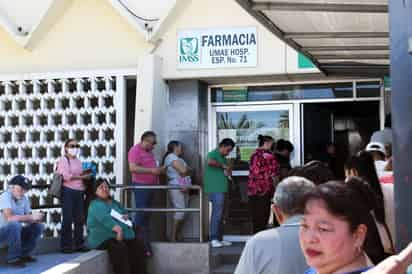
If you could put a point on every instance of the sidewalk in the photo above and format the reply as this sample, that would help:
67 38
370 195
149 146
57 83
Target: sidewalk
44 262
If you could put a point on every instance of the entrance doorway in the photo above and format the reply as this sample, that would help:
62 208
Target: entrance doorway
348 125
243 124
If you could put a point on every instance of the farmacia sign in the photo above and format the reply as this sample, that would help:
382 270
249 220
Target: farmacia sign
217 48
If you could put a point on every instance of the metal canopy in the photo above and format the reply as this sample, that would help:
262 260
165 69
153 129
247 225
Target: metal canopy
343 37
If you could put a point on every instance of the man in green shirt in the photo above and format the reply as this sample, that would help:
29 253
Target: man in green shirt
216 185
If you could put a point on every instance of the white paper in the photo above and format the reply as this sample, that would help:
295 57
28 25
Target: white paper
119 217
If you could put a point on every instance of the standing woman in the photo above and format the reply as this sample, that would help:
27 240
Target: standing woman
178 174
362 165
72 198
262 171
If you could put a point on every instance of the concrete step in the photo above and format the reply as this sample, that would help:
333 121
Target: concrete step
224 260
225 269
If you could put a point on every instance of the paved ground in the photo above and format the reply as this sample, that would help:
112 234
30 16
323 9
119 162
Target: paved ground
44 262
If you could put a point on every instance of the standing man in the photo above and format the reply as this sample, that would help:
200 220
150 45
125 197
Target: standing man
20 229
145 172
216 185
277 250
384 136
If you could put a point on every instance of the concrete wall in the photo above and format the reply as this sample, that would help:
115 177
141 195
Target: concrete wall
89 35
197 15
192 258
187 123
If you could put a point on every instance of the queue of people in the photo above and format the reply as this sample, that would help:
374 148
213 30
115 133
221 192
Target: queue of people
322 228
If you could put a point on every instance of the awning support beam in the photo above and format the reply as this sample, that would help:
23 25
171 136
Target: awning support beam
352 56
321 35
317 7
347 48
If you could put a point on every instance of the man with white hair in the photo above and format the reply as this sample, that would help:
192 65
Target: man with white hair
277 250
20 229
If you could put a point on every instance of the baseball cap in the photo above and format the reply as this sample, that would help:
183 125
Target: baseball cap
20 180
376 146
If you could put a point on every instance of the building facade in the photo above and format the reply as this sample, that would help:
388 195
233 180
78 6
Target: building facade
206 70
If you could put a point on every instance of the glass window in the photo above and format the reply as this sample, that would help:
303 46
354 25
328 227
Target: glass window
243 127
368 89
326 91
290 92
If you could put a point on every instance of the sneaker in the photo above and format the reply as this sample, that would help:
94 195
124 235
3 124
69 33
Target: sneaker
28 259
16 263
226 243
216 243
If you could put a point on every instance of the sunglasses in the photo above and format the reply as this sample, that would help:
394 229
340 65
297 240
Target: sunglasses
73 146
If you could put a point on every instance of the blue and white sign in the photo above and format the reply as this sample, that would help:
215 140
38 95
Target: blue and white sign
217 48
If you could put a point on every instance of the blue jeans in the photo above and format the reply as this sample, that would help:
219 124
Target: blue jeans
21 240
143 199
72 212
218 203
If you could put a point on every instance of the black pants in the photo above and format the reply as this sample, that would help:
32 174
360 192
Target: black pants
125 256
72 212
259 207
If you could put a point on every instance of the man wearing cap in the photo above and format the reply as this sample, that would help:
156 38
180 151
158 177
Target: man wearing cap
20 229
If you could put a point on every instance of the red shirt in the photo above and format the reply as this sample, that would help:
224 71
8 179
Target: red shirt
137 155
263 167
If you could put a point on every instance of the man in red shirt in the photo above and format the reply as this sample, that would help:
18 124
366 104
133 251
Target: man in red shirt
145 172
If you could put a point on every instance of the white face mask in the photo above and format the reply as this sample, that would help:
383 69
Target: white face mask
73 151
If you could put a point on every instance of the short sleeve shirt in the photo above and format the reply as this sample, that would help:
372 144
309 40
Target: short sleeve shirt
215 180
137 155
172 173
313 271
18 207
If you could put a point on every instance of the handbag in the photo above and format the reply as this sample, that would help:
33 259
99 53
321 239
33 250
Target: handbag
55 188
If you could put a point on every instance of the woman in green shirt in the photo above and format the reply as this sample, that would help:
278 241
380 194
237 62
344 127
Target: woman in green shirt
107 233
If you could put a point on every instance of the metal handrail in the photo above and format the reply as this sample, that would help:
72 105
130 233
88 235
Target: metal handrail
165 210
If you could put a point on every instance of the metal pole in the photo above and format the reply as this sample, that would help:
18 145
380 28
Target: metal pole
201 215
400 21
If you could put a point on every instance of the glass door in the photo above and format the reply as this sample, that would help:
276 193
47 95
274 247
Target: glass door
243 124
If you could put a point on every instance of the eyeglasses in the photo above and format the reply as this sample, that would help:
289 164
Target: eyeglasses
74 146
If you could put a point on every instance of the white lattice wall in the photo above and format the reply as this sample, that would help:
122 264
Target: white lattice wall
38 115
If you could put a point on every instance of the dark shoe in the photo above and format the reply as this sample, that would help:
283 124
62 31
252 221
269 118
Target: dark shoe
148 254
82 249
17 263
28 259
67 251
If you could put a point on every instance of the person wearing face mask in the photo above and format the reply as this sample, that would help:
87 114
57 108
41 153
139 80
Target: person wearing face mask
72 198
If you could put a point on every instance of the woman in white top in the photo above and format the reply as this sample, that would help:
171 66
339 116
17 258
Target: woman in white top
361 165
178 174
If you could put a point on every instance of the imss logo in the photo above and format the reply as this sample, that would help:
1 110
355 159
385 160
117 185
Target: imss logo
189 50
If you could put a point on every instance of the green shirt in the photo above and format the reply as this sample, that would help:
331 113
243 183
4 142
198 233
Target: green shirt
214 177
100 223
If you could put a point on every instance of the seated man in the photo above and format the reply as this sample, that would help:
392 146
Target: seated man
277 250
19 228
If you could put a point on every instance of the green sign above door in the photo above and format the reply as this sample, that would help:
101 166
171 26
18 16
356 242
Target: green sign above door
235 94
